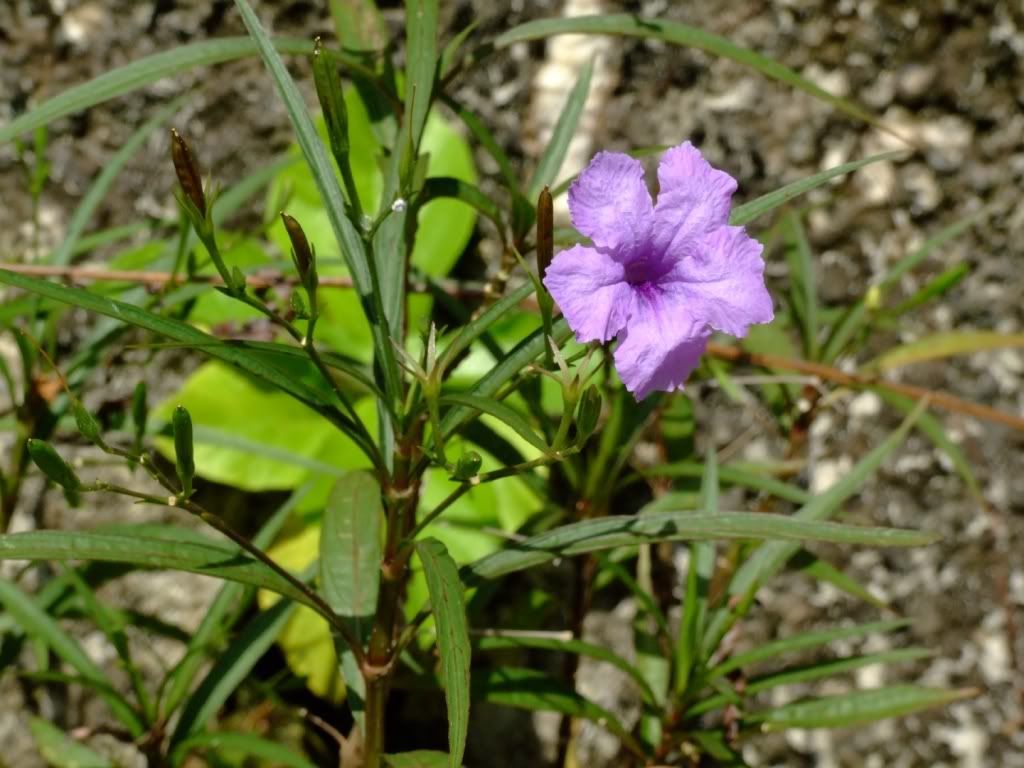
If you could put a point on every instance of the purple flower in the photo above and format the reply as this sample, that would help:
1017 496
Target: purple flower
660 277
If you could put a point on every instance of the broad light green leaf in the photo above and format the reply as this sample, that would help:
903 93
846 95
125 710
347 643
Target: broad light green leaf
187 553
449 609
350 550
37 624
857 708
257 438
938 346
60 750
630 25
627 530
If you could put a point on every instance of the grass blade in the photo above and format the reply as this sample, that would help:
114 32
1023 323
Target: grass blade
803 284
60 750
37 624
631 25
446 598
939 346
565 128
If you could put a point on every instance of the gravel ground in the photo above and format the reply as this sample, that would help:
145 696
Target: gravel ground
947 73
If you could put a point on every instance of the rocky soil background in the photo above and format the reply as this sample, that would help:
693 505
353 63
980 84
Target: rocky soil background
947 73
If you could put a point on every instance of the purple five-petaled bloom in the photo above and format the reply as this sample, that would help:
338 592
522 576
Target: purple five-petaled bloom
660 277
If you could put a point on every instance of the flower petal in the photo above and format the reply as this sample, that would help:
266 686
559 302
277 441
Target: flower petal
660 345
720 281
610 204
693 197
591 289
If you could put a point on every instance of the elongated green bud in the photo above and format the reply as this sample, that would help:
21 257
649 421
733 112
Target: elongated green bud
140 413
187 169
87 424
183 453
467 466
52 465
588 414
545 232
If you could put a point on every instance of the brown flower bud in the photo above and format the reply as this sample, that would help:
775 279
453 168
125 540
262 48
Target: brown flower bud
187 168
545 232
302 253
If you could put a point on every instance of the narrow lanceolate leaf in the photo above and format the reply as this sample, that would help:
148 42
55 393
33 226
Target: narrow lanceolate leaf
421 64
233 666
746 213
630 25
139 74
731 475
770 557
313 150
565 128
938 346
857 708
446 600
350 549
475 328
803 284
195 554
420 758
809 672
533 690
804 641
629 530
60 750
502 413
37 624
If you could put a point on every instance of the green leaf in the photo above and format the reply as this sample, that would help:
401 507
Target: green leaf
803 641
630 25
420 66
60 750
803 283
266 751
565 128
232 667
37 624
533 690
139 74
449 609
769 558
472 330
939 346
350 549
627 530
808 673
420 758
734 475
857 708
438 187
349 240
498 642
173 551
502 413
229 603
746 213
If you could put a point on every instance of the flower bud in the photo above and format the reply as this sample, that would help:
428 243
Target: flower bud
467 466
187 169
140 413
545 232
183 451
302 253
52 465
87 424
